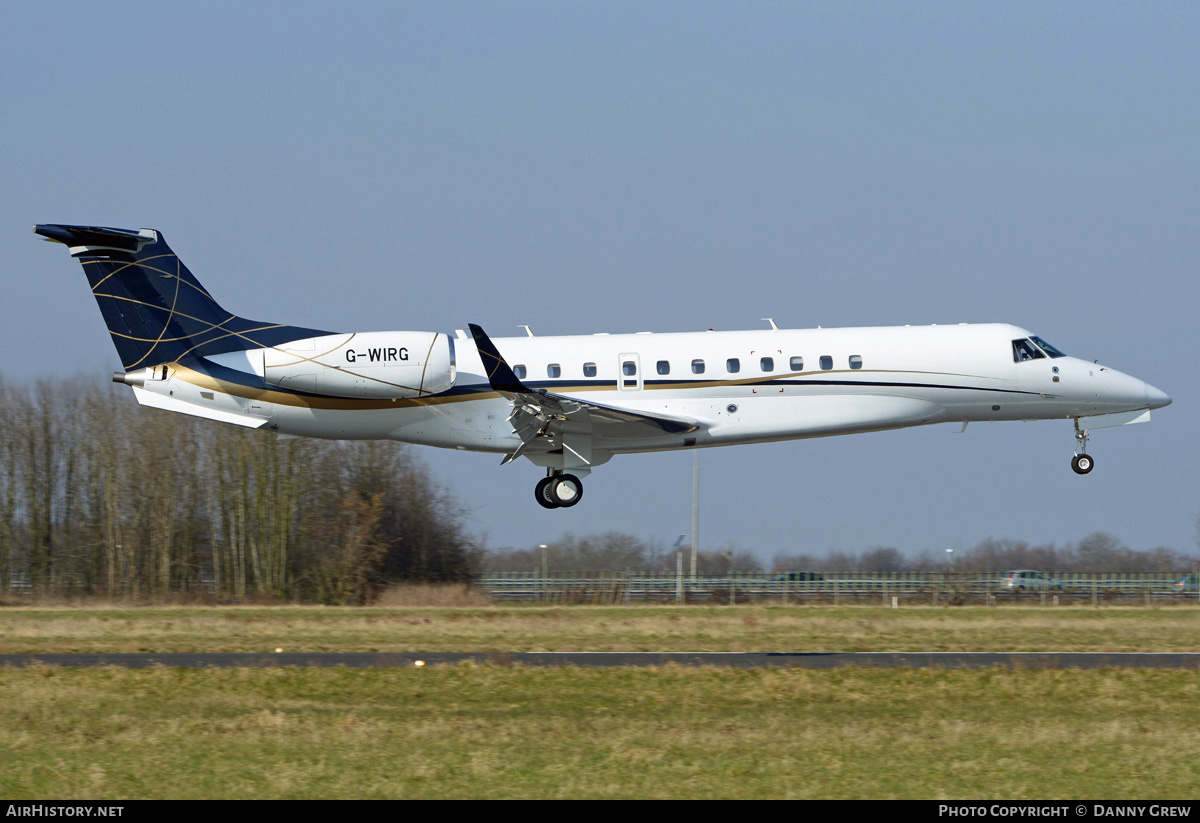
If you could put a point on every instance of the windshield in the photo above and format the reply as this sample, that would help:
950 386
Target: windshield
1024 350
1047 348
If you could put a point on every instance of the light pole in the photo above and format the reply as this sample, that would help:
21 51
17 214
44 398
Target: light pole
695 509
679 568
545 571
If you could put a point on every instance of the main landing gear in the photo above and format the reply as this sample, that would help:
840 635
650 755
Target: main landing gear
558 490
1081 463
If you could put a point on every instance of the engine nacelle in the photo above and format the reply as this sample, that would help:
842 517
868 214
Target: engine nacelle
381 364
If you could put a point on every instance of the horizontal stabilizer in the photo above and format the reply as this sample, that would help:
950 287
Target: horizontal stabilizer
85 239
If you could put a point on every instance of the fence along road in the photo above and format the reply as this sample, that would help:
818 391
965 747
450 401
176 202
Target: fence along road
900 588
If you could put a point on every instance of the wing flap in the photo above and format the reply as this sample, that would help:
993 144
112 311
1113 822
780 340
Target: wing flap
603 414
537 413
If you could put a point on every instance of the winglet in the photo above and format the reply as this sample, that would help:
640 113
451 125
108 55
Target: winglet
498 372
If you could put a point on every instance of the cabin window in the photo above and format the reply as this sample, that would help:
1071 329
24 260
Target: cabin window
767 364
664 367
797 364
733 365
629 368
589 369
856 361
826 362
554 370
697 367
519 371
1024 350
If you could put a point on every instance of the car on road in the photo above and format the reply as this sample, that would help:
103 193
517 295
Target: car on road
1028 580
1187 583
804 577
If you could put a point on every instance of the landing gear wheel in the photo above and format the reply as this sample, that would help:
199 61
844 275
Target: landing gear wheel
1081 463
565 490
542 492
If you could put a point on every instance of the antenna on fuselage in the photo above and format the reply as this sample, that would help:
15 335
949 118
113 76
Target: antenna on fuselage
528 330
770 320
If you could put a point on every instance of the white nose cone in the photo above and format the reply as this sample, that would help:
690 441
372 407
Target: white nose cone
1156 398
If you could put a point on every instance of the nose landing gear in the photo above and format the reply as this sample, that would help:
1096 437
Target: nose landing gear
1081 463
558 491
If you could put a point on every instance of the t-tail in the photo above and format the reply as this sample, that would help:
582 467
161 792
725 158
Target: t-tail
156 310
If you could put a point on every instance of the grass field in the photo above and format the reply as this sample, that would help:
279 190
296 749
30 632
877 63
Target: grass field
494 732
600 628
668 732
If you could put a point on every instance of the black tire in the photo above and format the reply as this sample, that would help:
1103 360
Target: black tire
566 490
1082 463
541 493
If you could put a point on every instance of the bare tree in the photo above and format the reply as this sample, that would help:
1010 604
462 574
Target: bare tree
882 559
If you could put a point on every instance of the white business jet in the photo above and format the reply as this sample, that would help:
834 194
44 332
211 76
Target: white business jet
568 404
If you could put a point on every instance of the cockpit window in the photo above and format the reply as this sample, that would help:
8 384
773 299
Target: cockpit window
1025 350
1047 348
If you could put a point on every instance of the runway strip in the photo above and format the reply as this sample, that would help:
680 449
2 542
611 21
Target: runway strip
741 660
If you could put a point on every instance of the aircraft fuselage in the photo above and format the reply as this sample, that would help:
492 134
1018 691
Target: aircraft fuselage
740 385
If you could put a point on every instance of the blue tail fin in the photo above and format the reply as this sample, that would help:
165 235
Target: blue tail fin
156 310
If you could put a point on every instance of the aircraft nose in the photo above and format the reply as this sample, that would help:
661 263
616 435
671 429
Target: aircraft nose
1157 398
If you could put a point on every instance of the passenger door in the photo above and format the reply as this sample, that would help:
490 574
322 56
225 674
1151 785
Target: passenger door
629 372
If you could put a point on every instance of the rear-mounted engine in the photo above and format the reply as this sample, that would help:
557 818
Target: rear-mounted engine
399 364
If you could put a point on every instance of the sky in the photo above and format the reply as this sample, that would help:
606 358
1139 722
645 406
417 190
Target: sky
663 166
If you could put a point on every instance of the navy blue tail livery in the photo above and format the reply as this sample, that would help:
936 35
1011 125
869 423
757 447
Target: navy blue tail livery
155 309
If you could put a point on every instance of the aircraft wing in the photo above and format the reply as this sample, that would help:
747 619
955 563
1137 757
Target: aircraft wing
538 413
